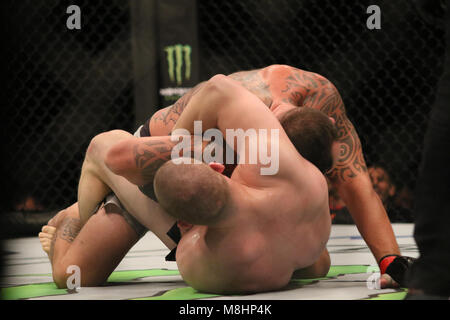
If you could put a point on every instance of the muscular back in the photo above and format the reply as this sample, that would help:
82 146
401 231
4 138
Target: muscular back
278 84
273 84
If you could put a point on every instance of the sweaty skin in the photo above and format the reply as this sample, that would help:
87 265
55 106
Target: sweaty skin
274 225
278 87
281 87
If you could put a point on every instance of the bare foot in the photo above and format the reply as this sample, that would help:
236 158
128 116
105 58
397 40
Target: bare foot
46 238
48 232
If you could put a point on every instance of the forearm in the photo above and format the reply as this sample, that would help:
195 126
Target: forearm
138 159
370 218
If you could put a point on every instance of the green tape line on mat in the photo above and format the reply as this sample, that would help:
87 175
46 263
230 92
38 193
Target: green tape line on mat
187 293
336 271
30 291
49 289
123 276
350 269
390 296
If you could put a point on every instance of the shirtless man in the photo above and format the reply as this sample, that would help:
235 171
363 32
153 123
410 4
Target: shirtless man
251 231
282 88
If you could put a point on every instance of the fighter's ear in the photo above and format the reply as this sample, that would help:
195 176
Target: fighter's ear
332 120
392 191
219 167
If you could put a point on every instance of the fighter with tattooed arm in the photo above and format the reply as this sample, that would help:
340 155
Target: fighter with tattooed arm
246 233
281 89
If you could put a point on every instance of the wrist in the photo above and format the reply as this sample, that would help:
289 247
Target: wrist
385 261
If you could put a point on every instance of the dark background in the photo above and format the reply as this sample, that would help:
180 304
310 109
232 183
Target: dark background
65 86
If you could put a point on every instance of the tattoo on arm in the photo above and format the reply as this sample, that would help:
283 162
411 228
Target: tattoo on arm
351 160
150 156
171 115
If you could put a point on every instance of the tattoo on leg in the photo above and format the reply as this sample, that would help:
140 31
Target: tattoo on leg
70 227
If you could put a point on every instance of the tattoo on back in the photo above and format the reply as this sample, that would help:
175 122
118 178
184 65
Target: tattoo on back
300 88
253 82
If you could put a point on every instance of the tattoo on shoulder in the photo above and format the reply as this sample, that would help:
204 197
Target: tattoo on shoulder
351 160
304 88
253 82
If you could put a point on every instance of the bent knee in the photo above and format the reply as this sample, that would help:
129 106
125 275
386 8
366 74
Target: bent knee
72 274
103 141
60 276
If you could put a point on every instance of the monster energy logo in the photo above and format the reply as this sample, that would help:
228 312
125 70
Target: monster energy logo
177 56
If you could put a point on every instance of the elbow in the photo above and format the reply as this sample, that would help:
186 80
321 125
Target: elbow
218 79
218 85
220 90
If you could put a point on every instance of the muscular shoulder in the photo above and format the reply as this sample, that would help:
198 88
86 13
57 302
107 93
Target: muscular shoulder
295 86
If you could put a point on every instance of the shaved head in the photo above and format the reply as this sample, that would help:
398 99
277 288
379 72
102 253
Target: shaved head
194 193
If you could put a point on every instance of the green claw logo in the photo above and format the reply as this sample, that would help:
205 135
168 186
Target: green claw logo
177 56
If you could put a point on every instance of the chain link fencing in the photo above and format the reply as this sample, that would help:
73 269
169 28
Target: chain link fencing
65 87
387 77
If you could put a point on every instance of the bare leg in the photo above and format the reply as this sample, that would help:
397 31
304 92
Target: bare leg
91 190
92 187
145 210
96 249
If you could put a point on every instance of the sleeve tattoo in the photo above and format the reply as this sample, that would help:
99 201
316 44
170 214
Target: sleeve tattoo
350 162
323 95
170 116
151 155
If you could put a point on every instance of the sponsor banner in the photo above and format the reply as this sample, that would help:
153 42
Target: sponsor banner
178 49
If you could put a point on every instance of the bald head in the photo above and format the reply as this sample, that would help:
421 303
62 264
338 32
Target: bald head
194 193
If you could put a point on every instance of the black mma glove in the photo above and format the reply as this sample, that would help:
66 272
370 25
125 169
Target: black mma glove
396 267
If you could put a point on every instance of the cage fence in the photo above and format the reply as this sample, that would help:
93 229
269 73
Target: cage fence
66 87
